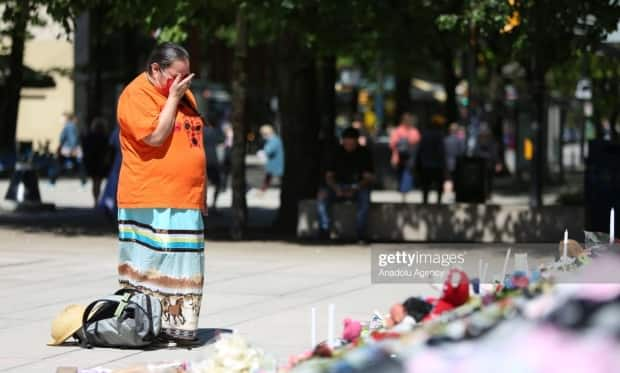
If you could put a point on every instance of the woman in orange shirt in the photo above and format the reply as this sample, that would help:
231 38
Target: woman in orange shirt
161 190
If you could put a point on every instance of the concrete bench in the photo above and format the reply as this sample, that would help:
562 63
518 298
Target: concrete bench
450 222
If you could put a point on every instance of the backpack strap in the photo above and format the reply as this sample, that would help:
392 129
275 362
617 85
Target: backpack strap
122 305
149 308
149 311
124 291
86 320
82 339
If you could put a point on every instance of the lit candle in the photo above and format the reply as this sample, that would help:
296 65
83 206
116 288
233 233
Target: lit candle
505 265
612 226
565 253
313 327
330 324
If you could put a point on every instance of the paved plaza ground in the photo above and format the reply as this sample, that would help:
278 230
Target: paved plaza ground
264 290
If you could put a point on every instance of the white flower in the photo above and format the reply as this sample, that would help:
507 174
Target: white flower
233 355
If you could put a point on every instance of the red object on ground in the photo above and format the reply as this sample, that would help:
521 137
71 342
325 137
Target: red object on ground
455 294
379 336
456 288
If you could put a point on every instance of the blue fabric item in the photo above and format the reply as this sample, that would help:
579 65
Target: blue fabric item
168 241
162 254
212 137
108 198
275 156
69 136
406 181
362 200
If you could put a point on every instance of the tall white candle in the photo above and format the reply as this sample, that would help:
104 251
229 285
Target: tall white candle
331 313
565 252
484 272
612 226
313 327
506 259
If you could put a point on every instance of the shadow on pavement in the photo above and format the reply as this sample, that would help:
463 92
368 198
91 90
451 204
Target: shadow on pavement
209 335
74 221
63 220
206 336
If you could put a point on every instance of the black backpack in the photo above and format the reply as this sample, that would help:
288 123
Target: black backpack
127 319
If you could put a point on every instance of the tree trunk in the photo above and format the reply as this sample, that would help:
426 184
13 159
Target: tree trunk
239 203
538 164
449 84
96 82
195 43
538 89
10 98
327 98
300 129
613 117
497 115
326 107
403 95
472 100
379 99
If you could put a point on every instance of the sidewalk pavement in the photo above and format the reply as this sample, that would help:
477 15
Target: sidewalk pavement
262 290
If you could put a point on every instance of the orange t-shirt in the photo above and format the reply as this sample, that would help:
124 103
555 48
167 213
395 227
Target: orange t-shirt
171 175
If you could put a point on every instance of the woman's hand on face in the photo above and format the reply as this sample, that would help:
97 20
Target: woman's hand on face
180 85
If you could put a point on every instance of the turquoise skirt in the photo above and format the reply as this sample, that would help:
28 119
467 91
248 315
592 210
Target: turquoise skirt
162 254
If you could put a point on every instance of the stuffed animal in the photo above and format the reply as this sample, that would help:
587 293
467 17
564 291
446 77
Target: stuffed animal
397 314
455 293
352 330
413 308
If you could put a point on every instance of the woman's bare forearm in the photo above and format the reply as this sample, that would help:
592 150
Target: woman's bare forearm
165 124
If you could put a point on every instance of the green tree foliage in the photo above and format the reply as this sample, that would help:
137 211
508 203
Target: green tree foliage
17 16
540 35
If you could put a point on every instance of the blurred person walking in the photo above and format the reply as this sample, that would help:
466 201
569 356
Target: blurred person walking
225 154
107 202
454 146
273 151
431 160
486 148
97 155
69 153
161 191
213 138
404 140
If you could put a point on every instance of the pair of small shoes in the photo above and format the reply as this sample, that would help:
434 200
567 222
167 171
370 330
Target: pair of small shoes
166 341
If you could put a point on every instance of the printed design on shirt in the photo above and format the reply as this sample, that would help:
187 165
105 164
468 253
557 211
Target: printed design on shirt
193 130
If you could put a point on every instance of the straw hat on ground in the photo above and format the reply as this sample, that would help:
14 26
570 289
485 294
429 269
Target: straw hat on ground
66 324
573 249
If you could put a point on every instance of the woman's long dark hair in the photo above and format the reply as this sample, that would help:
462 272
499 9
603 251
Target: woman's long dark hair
165 54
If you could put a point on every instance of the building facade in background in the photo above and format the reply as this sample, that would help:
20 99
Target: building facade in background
41 109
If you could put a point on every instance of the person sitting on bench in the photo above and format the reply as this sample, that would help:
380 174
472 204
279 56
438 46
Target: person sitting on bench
348 176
